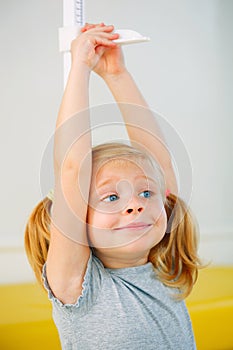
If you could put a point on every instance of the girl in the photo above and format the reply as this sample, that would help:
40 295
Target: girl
117 250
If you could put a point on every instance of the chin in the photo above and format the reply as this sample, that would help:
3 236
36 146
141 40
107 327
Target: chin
108 240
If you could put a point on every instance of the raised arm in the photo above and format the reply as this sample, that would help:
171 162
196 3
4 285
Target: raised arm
141 124
69 251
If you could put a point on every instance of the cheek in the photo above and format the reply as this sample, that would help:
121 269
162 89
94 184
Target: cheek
160 211
100 219
100 236
161 224
157 210
160 219
99 225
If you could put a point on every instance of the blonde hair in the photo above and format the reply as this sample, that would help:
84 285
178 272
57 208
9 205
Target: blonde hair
174 257
37 237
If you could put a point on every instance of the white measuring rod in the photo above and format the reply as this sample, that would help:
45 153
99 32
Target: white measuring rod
70 32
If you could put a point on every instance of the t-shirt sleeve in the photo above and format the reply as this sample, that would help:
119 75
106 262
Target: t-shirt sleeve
90 289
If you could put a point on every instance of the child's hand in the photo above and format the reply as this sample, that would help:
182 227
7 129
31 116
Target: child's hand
88 48
111 62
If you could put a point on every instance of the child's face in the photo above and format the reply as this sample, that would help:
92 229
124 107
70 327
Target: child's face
125 207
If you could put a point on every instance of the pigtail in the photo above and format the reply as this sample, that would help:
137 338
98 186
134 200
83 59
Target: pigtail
175 257
37 237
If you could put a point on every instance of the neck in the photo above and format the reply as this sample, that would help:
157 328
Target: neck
117 261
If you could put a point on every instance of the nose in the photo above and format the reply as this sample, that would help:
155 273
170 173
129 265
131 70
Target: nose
133 207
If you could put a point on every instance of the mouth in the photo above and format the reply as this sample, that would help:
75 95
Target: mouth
134 226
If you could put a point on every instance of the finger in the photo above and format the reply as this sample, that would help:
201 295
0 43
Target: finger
109 35
107 28
89 26
106 38
102 28
102 32
104 41
93 24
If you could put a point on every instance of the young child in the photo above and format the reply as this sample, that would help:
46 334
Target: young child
116 246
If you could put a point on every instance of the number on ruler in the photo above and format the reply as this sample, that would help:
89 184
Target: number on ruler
79 12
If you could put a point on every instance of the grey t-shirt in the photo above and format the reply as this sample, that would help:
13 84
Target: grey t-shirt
122 309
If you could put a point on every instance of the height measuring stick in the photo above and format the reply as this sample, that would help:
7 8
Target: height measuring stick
74 20
79 13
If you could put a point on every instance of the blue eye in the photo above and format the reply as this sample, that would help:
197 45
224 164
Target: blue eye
111 198
145 194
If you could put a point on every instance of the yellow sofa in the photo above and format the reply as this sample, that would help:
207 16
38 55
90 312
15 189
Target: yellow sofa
26 321
211 309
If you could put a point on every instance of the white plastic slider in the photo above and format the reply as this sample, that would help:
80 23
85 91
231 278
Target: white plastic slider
126 36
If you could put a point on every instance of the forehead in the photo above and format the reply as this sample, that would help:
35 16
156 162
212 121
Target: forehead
121 168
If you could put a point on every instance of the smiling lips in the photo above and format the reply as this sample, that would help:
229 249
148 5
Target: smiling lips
134 226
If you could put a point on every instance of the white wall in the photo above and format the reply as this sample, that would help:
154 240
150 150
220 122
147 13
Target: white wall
185 73
31 87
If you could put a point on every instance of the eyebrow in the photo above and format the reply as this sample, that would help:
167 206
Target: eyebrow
105 182
146 178
110 179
